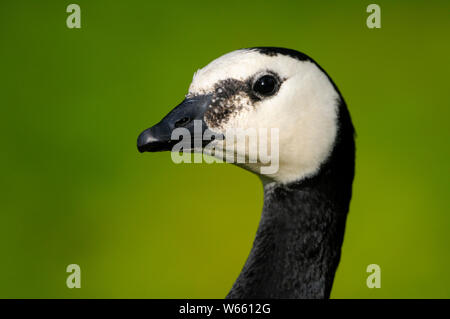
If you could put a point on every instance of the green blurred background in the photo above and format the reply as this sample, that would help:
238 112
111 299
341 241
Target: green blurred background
74 189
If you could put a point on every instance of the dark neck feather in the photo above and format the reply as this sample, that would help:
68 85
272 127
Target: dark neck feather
298 243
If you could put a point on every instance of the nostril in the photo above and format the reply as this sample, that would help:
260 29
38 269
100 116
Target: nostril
182 122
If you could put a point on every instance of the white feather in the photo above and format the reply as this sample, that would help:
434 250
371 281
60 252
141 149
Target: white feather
304 110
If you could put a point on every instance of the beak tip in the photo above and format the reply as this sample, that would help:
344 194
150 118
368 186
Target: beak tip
140 149
151 141
144 139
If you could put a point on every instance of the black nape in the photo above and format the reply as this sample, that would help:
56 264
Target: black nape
298 243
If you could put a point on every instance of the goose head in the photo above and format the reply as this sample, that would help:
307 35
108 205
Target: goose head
274 93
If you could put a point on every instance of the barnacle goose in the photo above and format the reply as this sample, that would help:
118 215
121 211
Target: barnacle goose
306 200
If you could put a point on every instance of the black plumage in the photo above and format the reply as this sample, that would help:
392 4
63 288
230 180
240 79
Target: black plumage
298 243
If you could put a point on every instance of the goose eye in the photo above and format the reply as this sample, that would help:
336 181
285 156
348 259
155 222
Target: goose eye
265 85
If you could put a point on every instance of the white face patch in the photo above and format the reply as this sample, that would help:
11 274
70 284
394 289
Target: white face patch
304 110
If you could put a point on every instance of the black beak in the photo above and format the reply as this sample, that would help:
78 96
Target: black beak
158 137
